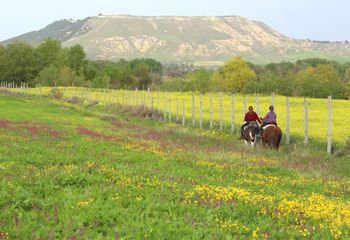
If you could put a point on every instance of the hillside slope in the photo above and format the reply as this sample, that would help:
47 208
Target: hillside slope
176 39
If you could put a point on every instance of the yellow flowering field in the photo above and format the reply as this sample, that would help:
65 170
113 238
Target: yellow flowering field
80 172
172 102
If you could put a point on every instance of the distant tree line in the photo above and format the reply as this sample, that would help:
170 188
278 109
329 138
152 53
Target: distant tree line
309 77
49 64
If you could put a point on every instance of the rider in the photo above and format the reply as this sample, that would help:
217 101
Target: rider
270 118
250 116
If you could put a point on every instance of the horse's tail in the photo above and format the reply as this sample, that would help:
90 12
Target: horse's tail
279 138
276 138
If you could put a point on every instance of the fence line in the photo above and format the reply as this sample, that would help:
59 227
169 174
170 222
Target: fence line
153 101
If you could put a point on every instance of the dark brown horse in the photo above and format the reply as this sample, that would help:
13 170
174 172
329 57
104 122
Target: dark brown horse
272 136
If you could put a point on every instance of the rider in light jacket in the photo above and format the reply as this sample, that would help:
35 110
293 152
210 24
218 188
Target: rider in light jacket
270 118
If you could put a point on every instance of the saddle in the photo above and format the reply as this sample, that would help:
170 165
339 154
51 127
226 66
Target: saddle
268 125
252 123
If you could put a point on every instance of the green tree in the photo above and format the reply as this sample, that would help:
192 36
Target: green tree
216 81
47 53
58 76
155 67
236 74
200 79
319 81
18 63
76 58
346 80
68 77
142 74
102 80
49 76
2 62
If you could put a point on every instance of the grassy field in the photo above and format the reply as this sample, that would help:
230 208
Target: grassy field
317 109
75 172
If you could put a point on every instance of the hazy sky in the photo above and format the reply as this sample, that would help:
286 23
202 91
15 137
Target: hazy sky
313 19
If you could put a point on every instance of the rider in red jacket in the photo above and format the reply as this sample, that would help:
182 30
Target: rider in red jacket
250 117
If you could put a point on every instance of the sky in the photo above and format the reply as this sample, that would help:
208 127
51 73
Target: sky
300 19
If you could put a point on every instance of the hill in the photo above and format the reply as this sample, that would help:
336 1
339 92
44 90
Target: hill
178 39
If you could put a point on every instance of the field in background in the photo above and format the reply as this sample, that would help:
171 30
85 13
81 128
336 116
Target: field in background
317 124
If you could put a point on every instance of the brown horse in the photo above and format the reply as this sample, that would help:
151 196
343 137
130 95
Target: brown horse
272 135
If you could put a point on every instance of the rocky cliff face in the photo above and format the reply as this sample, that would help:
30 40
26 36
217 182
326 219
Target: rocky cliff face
176 39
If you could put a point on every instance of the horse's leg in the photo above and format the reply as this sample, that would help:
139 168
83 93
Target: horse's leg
270 144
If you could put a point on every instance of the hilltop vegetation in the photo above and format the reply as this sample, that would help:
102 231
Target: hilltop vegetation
49 64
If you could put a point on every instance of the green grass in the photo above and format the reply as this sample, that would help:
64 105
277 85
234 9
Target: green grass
73 172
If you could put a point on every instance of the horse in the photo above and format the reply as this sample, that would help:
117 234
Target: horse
271 135
251 133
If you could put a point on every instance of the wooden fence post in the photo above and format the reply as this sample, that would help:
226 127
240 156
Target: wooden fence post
152 106
177 110
183 112
200 112
287 121
137 96
220 110
233 113
306 137
257 104
329 125
158 106
211 111
169 110
164 103
244 106
193 111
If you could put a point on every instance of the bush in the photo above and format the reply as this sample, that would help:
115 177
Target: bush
56 93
